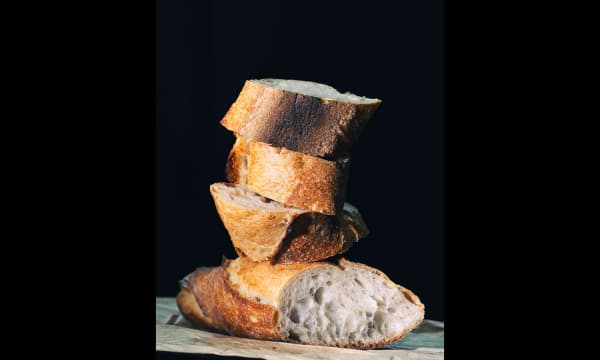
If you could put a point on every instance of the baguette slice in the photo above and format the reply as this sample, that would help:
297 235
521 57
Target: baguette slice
319 303
289 177
265 230
304 116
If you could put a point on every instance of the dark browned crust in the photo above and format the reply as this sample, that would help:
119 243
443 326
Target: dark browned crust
313 237
221 307
310 125
313 240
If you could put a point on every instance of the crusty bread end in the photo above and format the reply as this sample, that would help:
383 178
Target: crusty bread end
311 118
345 304
265 230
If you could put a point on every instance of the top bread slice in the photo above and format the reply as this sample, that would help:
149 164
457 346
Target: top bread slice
308 117
346 304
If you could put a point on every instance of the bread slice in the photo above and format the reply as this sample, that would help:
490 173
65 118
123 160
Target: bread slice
345 304
265 230
304 116
289 177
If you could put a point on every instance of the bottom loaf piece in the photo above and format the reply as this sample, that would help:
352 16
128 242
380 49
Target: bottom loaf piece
346 304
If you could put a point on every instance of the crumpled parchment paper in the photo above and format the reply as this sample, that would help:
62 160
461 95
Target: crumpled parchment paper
174 333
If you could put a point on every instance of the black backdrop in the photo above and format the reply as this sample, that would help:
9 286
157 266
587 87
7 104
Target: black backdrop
389 50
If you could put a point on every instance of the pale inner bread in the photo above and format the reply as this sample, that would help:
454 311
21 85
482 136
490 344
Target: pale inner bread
338 305
315 89
244 196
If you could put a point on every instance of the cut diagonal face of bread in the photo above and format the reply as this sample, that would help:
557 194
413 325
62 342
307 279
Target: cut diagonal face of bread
289 177
265 230
308 117
345 304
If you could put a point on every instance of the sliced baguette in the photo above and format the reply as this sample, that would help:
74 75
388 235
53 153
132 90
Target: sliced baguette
319 303
265 230
289 177
304 116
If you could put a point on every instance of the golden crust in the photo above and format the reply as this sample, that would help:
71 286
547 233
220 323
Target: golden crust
247 305
237 162
286 235
289 177
257 233
262 280
187 303
310 125
225 308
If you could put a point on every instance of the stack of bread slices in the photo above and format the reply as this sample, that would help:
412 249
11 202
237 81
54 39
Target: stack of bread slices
285 211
